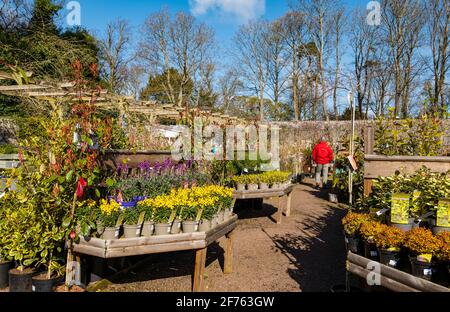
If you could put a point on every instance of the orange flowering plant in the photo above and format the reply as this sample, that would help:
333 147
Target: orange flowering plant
370 229
444 251
421 241
352 222
389 238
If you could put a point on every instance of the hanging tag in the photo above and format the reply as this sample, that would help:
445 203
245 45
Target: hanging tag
400 209
119 220
172 216
141 218
199 215
443 213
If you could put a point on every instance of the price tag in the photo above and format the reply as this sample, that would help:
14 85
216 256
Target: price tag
172 216
141 218
443 213
119 221
199 215
393 263
400 209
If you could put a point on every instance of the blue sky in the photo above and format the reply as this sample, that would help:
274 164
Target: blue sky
224 16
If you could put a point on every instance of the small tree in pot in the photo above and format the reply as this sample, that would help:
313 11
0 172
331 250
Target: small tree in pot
389 242
423 246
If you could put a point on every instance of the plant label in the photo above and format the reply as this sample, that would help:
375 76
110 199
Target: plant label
400 209
199 215
374 253
352 161
116 234
172 216
427 272
33 288
119 221
443 213
346 240
393 263
141 218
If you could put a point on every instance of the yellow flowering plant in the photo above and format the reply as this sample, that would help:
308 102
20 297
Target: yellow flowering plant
109 212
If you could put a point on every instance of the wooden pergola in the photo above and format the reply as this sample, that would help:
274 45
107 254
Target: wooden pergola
104 100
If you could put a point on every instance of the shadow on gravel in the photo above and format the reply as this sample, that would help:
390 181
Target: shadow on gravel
318 252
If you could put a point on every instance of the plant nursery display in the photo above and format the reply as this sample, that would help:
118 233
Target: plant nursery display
262 181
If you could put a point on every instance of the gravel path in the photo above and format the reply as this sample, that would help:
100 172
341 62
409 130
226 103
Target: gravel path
305 253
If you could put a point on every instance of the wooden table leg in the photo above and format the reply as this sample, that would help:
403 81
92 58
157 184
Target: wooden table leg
280 211
199 270
228 256
288 205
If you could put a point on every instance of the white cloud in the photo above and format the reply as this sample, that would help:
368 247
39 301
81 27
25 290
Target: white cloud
242 9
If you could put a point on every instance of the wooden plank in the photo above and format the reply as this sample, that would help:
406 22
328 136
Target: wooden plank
90 250
218 234
369 143
376 166
397 275
199 270
262 193
153 249
280 211
288 205
228 255
22 88
9 156
154 240
368 187
385 282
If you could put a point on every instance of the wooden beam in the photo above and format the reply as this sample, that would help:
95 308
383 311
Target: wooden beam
369 140
228 255
199 270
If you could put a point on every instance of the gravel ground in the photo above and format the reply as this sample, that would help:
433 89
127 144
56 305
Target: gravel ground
305 253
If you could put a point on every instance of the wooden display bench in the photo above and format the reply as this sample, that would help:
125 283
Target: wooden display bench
270 193
199 241
391 278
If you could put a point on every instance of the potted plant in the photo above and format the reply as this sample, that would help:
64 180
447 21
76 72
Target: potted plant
443 256
148 227
161 216
46 281
423 246
189 215
389 242
5 260
241 182
253 182
264 182
352 224
206 219
108 219
369 229
131 227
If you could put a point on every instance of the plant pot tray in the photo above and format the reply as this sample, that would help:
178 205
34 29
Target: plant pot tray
391 278
270 193
118 248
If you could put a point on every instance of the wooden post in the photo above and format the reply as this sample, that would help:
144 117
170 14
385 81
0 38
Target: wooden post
368 184
199 270
288 205
369 141
228 256
280 210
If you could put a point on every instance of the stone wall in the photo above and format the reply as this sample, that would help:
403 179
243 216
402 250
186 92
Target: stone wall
8 131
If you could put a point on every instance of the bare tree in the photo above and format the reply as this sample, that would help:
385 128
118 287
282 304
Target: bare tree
229 85
277 61
251 42
134 77
439 41
14 14
179 43
114 57
362 38
403 24
293 24
338 27
319 16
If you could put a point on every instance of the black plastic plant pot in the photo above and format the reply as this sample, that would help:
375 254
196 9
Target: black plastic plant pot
371 251
424 270
354 244
390 258
4 273
40 284
20 281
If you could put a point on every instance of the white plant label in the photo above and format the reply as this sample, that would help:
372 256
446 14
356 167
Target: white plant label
393 263
117 234
138 232
373 253
427 272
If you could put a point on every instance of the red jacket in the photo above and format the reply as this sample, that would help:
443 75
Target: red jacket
322 154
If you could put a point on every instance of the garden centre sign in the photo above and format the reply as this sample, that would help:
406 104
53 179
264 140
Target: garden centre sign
235 142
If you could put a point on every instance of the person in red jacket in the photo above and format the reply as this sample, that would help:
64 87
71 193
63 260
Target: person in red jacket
323 156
